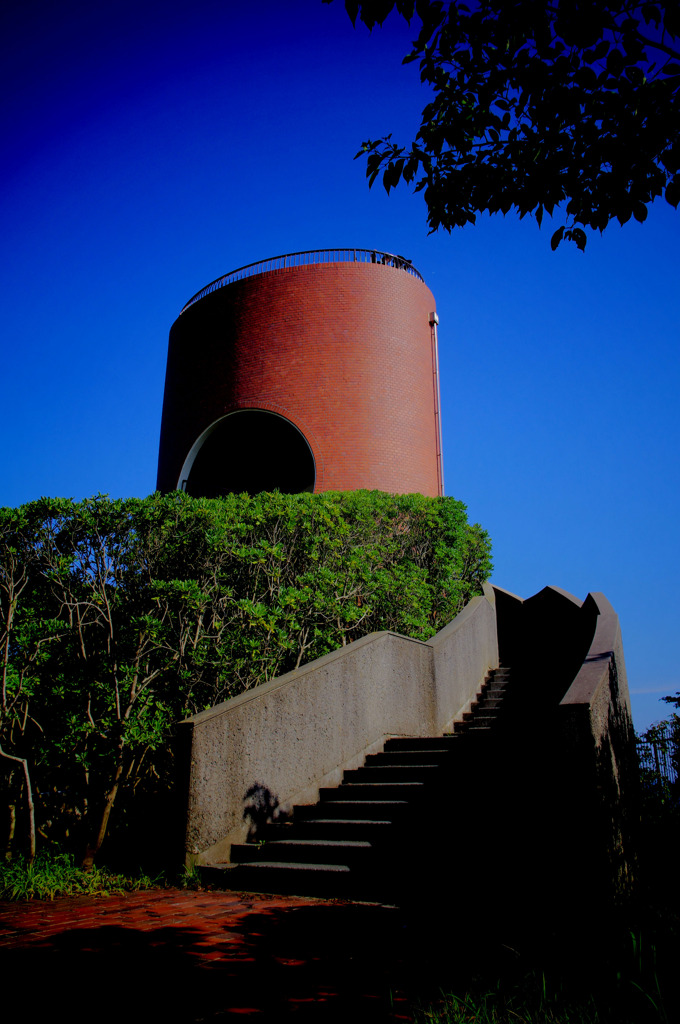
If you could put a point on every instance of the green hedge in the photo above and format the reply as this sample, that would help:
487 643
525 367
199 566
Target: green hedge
121 617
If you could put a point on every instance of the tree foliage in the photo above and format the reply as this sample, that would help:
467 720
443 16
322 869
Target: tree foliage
674 701
571 105
118 618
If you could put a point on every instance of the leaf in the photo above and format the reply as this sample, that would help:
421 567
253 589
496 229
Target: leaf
556 238
579 236
601 50
639 211
673 192
651 13
392 174
352 8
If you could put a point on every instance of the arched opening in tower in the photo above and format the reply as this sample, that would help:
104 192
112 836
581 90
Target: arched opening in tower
251 451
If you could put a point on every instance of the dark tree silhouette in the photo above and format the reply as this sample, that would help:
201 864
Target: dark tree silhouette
570 106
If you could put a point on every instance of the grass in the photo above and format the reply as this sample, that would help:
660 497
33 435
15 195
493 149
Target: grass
522 1006
53 875
618 971
625 990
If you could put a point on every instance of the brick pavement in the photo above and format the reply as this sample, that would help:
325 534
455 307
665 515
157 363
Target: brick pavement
209 956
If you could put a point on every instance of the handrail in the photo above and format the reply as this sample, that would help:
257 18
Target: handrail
604 650
308 256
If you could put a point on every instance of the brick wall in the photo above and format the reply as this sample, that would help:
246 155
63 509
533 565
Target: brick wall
342 350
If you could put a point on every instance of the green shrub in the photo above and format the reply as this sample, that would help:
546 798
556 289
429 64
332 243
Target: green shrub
117 618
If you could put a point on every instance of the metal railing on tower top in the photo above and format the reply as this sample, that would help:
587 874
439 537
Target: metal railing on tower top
301 259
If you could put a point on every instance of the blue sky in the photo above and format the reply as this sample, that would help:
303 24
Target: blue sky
148 148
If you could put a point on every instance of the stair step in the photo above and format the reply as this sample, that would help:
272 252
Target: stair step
392 773
293 866
344 828
477 725
419 743
409 757
316 851
358 810
490 715
372 791
300 879
275 830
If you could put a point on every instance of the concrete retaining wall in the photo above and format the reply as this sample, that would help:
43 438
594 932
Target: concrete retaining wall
255 756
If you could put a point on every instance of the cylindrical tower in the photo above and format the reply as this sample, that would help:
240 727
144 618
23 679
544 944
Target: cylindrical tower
311 371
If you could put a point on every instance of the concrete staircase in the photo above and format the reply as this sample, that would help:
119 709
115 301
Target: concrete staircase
492 707
356 841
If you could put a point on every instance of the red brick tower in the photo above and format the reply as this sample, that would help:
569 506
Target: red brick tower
312 371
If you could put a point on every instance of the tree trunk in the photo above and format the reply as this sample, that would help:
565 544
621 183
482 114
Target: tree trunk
11 827
93 848
29 802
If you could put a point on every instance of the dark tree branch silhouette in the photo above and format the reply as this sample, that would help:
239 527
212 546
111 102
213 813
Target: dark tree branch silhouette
570 107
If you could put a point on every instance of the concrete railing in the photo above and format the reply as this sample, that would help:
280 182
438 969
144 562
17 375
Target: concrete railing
571 754
255 756
592 687
597 749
